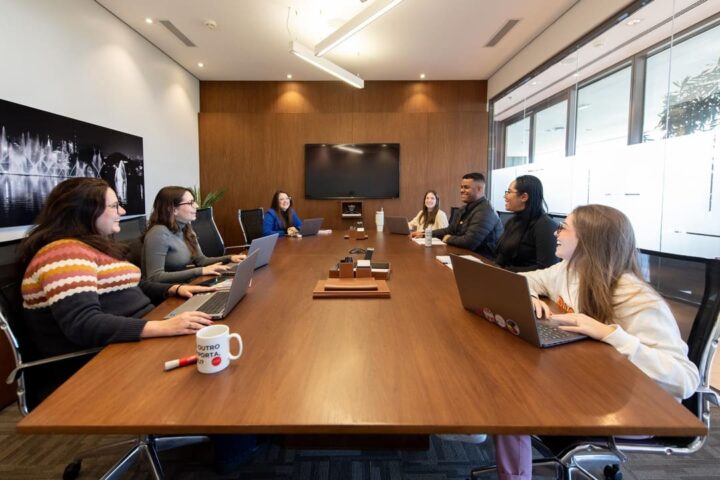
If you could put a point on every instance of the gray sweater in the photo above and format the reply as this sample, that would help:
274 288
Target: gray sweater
166 256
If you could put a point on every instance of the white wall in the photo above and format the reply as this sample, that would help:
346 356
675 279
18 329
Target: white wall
576 22
74 58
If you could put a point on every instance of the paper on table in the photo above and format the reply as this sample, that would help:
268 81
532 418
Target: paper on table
421 241
325 232
445 259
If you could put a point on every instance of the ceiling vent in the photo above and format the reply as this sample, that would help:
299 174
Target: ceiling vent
174 30
502 32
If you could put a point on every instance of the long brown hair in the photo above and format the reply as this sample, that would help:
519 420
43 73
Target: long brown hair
428 217
284 217
70 211
605 252
166 201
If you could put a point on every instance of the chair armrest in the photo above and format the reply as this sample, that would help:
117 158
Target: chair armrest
237 247
710 394
57 358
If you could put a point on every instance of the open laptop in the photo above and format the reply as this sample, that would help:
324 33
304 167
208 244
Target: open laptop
310 226
220 304
264 246
503 298
398 225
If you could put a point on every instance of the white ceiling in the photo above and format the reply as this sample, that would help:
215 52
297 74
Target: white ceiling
442 38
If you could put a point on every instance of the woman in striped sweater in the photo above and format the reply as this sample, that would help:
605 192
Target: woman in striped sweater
78 290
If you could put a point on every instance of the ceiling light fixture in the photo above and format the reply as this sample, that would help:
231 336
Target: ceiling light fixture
148 20
303 52
634 21
354 25
422 76
289 76
201 64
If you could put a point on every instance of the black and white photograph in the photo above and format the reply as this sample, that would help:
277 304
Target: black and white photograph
39 149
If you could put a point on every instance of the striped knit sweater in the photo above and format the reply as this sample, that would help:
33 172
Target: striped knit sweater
75 296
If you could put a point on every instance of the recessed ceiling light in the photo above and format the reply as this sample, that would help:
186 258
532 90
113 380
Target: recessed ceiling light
422 76
148 20
289 76
634 21
598 43
576 74
534 83
201 65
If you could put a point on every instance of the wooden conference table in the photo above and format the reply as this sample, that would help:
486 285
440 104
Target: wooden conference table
415 363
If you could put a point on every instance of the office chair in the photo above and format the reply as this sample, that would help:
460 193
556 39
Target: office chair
453 213
504 216
131 234
251 223
661 271
30 393
209 238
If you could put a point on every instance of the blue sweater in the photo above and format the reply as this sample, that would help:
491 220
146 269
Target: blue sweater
273 224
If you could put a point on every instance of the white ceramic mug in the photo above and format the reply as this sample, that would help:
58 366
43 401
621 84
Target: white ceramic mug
213 348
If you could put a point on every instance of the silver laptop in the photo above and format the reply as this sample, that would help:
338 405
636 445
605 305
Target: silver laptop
264 246
503 298
219 304
311 226
398 225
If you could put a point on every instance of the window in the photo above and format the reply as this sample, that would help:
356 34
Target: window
550 132
517 143
603 112
693 70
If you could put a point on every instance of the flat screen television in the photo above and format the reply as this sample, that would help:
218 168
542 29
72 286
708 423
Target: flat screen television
360 170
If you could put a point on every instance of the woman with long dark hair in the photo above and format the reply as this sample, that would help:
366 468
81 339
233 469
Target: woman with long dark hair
281 217
600 289
430 215
528 241
79 291
170 244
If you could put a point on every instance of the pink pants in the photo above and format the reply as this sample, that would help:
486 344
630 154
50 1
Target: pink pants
513 457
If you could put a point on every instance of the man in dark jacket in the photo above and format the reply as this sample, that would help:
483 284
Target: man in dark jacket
476 226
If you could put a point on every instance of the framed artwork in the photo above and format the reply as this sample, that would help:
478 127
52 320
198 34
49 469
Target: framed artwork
39 149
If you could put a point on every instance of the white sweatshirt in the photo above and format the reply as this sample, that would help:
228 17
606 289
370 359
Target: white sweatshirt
646 331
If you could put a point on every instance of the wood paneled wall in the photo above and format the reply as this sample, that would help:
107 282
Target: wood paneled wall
253 136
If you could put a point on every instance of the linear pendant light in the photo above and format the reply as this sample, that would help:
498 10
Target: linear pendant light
354 25
306 54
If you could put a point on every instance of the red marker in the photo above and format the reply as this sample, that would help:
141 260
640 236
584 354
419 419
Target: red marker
180 362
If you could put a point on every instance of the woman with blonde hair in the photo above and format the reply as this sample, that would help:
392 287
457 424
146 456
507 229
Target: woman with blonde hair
599 288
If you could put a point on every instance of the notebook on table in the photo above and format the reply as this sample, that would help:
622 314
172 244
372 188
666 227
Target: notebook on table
398 225
503 298
219 304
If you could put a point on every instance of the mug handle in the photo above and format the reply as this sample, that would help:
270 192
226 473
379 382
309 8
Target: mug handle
240 344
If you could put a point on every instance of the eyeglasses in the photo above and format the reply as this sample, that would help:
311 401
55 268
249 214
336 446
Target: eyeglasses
508 192
115 206
188 203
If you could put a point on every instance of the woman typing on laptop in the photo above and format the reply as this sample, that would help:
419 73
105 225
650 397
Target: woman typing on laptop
170 244
79 291
281 217
599 287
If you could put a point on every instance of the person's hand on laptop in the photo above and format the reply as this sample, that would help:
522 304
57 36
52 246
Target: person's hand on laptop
581 323
541 309
238 258
292 231
188 291
214 269
187 323
417 234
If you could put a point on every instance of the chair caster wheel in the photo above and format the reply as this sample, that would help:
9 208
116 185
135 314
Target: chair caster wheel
612 472
72 471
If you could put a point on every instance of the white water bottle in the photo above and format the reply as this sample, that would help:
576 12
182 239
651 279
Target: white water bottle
428 237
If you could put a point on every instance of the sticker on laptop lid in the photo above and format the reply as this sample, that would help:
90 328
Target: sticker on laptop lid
500 321
512 327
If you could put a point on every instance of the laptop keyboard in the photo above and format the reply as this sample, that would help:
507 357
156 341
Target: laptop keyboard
215 304
552 334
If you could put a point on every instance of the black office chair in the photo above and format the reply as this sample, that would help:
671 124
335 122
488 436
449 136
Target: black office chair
209 238
454 211
681 280
131 234
30 391
504 216
251 223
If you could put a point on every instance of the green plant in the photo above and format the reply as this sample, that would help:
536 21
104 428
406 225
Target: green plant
694 105
209 200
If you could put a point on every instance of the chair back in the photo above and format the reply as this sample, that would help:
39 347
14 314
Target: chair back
504 216
209 238
131 234
251 223
453 213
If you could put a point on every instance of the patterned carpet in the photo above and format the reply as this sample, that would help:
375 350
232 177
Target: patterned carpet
39 457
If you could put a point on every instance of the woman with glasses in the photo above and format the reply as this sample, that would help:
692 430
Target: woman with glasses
430 215
170 244
528 241
281 217
599 288
79 290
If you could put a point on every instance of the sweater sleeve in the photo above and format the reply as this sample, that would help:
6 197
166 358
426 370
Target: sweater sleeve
71 293
155 250
201 260
544 281
649 337
415 222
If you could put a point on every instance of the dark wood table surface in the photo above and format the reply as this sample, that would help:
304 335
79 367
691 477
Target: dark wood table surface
416 363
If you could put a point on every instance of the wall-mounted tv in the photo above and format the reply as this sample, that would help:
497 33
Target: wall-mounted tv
359 170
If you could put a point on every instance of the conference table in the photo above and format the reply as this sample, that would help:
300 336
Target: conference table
416 363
